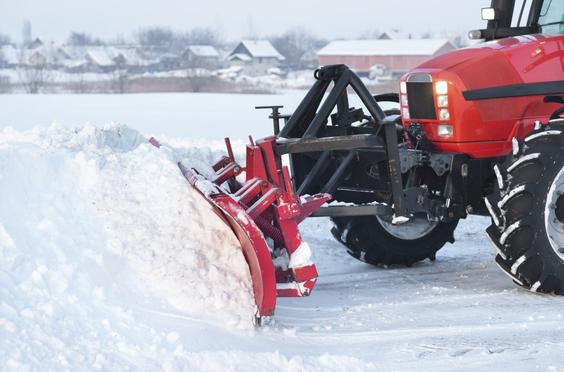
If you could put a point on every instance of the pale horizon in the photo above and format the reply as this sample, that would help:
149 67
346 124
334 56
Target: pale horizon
55 20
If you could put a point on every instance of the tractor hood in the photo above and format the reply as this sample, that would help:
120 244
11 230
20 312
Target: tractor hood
506 61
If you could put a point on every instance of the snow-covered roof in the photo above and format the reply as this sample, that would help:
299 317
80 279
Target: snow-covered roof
203 50
384 47
239 56
49 53
131 56
99 57
261 49
75 63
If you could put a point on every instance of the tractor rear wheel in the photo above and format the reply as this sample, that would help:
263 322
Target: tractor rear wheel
375 241
528 211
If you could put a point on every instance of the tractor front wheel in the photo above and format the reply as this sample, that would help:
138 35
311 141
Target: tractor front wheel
375 241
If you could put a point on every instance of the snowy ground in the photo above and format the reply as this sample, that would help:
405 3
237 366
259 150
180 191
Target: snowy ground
109 261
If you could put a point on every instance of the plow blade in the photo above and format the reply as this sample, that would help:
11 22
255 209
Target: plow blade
250 237
259 204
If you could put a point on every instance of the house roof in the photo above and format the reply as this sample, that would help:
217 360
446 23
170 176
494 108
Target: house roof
99 57
203 50
384 47
239 56
261 49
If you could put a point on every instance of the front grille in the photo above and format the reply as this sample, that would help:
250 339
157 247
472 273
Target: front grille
421 100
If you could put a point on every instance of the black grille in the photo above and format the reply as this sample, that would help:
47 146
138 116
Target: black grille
421 101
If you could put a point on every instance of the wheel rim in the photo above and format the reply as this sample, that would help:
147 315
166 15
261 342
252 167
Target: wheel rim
415 228
554 214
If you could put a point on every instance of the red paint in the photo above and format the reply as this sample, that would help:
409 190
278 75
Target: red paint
264 205
485 128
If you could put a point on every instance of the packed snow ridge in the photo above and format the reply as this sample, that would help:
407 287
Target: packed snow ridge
95 223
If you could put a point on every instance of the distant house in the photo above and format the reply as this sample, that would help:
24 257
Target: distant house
48 55
167 62
99 60
9 56
104 59
256 57
201 56
390 57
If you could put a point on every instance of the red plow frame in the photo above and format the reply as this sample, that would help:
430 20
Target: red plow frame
259 204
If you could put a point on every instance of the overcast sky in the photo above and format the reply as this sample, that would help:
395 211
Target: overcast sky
53 19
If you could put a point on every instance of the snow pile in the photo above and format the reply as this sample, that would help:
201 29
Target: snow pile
95 226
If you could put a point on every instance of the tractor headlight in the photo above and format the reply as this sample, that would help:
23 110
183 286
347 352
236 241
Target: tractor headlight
444 130
444 114
441 87
404 100
442 101
405 113
403 87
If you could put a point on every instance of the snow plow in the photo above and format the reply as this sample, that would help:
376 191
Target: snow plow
264 212
476 131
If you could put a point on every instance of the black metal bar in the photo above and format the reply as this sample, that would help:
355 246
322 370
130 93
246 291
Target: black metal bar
327 106
320 166
355 141
394 168
336 178
274 115
314 95
367 99
357 210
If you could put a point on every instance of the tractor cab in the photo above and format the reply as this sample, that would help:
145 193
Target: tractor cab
507 18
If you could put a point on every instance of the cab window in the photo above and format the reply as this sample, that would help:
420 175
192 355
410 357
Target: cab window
551 18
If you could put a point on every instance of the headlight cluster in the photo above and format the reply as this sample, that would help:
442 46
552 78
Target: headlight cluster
441 91
403 100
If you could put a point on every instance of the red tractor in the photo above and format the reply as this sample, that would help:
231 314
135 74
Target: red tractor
478 131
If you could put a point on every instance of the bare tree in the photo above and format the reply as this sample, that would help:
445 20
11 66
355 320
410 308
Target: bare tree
82 38
295 43
33 75
197 73
155 37
120 76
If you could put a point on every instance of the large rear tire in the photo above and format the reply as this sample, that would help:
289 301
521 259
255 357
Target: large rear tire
528 211
374 241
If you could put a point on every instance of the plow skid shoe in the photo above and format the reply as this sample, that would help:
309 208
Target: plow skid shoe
259 205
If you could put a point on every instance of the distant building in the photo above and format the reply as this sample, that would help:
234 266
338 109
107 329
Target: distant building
104 59
44 54
390 57
9 56
201 56
256 57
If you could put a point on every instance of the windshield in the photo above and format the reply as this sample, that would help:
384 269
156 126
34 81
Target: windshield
551 17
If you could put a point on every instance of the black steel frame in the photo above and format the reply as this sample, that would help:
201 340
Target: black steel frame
302 132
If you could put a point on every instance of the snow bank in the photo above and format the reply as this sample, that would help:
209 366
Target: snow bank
96 224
